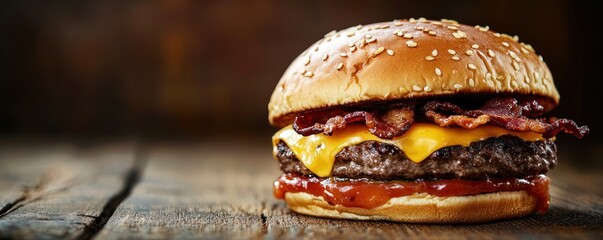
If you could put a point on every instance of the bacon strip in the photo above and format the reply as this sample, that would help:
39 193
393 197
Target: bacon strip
505 112
392 123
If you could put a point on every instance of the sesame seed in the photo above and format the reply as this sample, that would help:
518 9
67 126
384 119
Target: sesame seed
343 54
514 56
303 72
353 49
416 88
457 86
368 36
429 58
490 83
384 26
438 71
515 38
316 49
359 27
490 53
452 52
411 43
308 74
407 35
452 28
525 51
536 75
307 61
459 34
432 33
331 33
507 36
412 20
350 34
540 58
500 77
449 21
506 44
436 23
515 84
483 29
488 76
370 40
515 65
339 66
422 20
390 52
400 33
529 47
497 34
475 46
378 51
434 53
397 23
471 66
325 57
469 52
427 89
455 58
362 43
351 44
471 82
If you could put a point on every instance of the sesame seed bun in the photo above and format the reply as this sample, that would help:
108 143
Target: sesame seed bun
407 59
424 208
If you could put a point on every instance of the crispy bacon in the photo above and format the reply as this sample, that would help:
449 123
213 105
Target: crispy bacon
505 112
388 125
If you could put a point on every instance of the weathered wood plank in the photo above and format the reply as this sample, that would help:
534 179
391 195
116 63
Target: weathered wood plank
220 192
59 191
206 192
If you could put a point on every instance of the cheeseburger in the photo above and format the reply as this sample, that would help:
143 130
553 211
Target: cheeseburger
417 121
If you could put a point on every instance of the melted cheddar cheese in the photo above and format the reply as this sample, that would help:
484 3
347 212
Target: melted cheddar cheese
317 152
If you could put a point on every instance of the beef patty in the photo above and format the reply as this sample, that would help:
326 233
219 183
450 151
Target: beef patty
505 156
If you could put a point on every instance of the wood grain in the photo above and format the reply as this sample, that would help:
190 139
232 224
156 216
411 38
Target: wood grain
210 192
59 191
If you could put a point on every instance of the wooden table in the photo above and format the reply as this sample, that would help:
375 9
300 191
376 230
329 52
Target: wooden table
222 190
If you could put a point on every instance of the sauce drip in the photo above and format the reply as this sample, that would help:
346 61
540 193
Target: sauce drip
369 194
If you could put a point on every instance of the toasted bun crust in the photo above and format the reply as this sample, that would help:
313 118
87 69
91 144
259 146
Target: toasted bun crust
424 208
407 59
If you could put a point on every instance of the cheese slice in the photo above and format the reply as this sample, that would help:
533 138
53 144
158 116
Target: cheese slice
317 152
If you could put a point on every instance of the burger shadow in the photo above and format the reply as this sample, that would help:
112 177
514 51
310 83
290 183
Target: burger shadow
565 217
556 218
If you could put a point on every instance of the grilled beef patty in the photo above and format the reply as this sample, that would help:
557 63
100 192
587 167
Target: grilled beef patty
505 156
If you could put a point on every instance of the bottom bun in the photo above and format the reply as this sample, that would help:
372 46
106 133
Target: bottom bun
424 208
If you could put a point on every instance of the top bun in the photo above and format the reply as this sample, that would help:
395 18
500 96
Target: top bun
407 59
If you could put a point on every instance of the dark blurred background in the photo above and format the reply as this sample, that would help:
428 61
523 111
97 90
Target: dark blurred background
178 68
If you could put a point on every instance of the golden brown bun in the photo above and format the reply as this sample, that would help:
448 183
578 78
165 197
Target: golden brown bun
424 208
375 63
